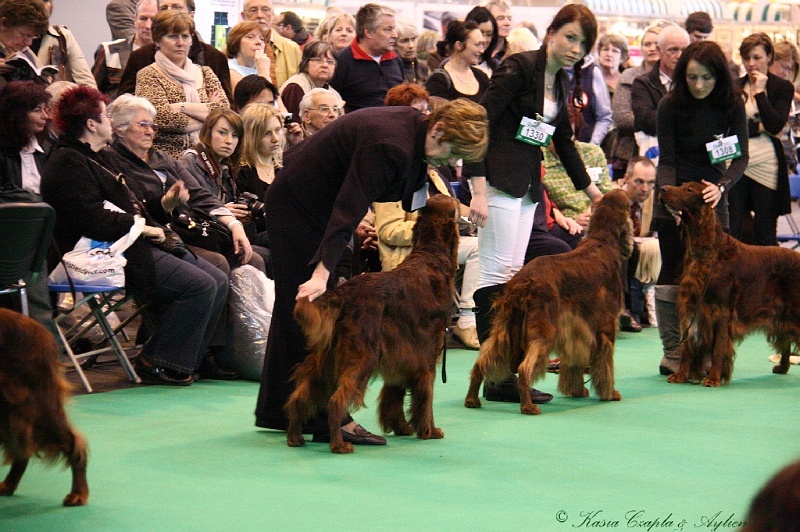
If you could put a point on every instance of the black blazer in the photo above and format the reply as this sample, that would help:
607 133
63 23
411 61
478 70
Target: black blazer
517 91
646 93
773 106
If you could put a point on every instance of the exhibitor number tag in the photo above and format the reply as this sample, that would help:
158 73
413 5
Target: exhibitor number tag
724 149
535 132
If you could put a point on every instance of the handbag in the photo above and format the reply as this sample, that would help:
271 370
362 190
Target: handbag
97 263
203 231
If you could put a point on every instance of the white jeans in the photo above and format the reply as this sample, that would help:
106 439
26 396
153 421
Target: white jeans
468 257
504 240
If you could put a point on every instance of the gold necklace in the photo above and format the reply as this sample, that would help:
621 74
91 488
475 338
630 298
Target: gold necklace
459 78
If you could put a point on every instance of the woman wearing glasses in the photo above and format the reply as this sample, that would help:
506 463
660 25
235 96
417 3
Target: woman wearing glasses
245 47
315 71
182 92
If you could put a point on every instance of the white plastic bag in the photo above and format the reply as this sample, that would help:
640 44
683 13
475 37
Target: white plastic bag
251 300
648 146
97 263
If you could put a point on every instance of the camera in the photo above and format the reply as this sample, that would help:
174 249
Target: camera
253 204
288 118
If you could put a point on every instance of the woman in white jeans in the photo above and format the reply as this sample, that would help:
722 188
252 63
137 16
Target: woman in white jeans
526 105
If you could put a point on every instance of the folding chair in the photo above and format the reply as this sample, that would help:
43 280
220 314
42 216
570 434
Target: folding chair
25 233
101 301
794 228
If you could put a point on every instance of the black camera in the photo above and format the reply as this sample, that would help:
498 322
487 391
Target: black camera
288 118
253 204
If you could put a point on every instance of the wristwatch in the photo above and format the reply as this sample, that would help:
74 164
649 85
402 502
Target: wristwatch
721 188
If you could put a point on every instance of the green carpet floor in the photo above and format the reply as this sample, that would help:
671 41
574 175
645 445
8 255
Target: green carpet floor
191 459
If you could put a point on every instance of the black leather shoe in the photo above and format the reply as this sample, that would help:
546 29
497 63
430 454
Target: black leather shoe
359 436
159 375
508 392
209 369
628 324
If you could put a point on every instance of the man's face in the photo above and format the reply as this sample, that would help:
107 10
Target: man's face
283 28
325 109
641 182
698 36
674 45
173 5
144 23
259 11
503 18
382 39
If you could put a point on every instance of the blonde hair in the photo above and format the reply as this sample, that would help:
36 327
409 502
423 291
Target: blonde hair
255 121
325 27
520 40
465 125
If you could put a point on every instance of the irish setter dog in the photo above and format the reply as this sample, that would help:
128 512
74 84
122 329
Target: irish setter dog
727 290
33 391
389 323
568 304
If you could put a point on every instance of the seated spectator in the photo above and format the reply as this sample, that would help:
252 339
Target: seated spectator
112 56
776 506
290 25
318 108
210 164
338 30
316 70
644 264
393 227
416 71
183 93
188 292
552 232
21 21
255 89
199 52
460 77
23 117
245 48
426 45
58 47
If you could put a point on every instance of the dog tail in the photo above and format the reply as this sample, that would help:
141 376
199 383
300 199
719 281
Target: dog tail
317 320
497 350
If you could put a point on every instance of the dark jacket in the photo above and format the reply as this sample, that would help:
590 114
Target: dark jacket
77 189
517 91
11 165
773 107
361 81
415 71
646 93
200 53
110 59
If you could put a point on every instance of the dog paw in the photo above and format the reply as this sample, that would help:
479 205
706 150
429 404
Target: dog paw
782 370
711 383
677 378
6 490
531 410
432 434
616 396
582 393
402 430
342 448
76 499
294 441
472 402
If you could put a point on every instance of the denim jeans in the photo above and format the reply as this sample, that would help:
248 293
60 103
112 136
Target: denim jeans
189 295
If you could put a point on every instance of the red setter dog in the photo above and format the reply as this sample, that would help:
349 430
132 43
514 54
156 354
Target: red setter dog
33 391
390 323
568 304
727 290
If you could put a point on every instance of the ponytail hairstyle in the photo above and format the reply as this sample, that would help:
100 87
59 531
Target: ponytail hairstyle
585 18
457 31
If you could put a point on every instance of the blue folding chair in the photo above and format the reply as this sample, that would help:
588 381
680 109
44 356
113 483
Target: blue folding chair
101 301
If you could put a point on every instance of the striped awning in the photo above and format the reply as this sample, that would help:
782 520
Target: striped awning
654 8
712 7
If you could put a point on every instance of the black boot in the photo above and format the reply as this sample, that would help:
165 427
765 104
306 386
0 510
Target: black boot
209 369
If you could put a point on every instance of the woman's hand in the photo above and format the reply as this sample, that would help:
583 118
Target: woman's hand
316 286
711 194
216 97
568 224
156 234
368 235
478 210
241 244
177 194
583 219
241 212
758 82
294 133
262 64
594 194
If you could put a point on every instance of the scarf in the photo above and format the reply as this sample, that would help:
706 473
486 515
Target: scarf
185 77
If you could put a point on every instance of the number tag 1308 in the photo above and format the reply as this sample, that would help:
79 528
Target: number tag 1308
535 132
724 149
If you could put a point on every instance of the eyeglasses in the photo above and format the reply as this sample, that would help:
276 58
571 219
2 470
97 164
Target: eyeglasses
328 109
263 9
331 62
101 116
144 124
280 25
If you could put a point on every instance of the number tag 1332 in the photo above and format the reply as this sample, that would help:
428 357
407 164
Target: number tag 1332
535 132
724 149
